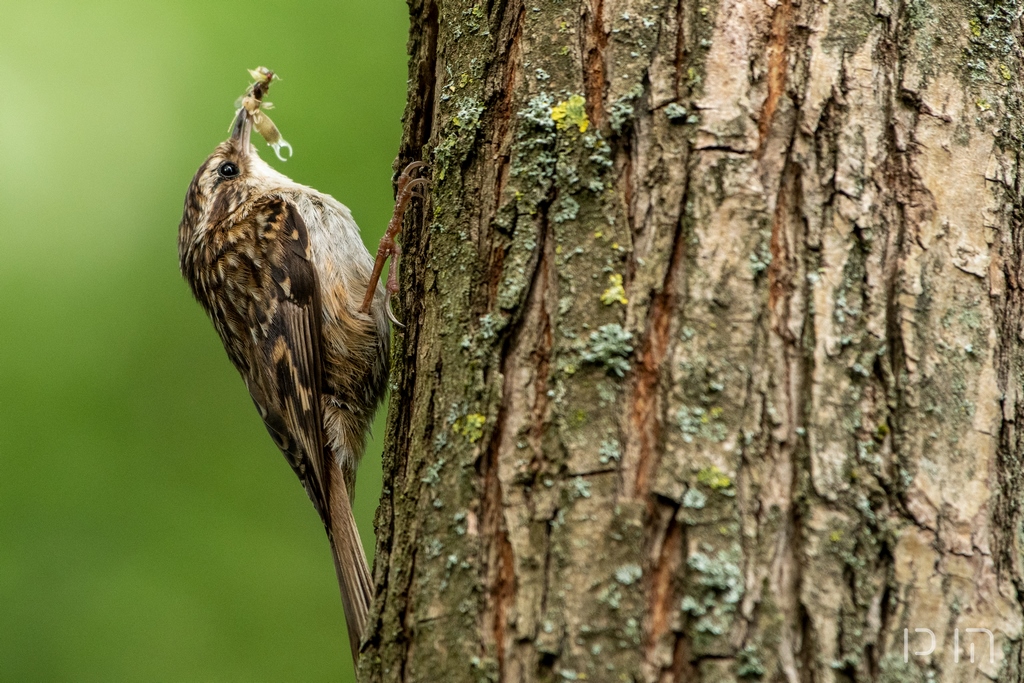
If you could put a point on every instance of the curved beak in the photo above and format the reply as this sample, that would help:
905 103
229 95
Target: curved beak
241 130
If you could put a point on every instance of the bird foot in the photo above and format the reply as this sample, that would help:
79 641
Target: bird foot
409 186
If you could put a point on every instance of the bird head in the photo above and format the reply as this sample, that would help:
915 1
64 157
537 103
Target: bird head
230 177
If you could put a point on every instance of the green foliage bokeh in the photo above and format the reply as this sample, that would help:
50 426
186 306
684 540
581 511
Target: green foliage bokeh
149 530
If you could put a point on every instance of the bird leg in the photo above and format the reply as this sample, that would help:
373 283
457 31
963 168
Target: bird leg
408 187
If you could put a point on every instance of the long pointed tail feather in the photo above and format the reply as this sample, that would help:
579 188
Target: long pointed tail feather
350 563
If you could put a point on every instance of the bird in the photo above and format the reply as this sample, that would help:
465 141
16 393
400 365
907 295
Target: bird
292 291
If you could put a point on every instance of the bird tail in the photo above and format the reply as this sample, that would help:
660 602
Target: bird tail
350 564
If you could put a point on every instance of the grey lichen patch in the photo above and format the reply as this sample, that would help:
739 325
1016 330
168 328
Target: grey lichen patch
607 393
761 257
631 633
433 473
609 347
532 170
694 498
600 155
474 18
535 160
459 523
579 488
709 504
459 136
434 548
628 574
557 161
620 113
749 664
566 209
467 115
611 596
697 422
609 452
634 36
991 41
715 587
486 668
675 112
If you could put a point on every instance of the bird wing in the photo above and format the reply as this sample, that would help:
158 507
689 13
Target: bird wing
277 305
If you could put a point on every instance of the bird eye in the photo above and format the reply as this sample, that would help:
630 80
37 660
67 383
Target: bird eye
227 170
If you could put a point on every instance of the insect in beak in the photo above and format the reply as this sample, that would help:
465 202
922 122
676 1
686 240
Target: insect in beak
251 115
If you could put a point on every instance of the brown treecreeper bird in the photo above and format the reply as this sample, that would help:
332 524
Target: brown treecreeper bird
283 274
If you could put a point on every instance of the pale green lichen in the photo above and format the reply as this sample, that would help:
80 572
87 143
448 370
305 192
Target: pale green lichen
567 209
628 574
721 580
676 113
611 596
434 548
460 526
698 422
580 488
748 664
609 346
433 475
475 17
621 110
694 498
761 258
632 631
609 451
606 393
468 114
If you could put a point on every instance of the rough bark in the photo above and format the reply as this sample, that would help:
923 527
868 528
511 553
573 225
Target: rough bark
713 345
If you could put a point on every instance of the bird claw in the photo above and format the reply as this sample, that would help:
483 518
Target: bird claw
408 171
409 186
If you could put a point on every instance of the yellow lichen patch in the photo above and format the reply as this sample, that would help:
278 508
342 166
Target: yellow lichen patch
470 426
1006 73
835 536
712 414
615 293
571 112
714 478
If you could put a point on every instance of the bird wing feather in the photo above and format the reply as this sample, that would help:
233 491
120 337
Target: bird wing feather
278 308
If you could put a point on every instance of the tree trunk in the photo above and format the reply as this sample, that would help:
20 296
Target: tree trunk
713 345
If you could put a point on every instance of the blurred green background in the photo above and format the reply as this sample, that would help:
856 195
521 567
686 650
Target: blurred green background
149 530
